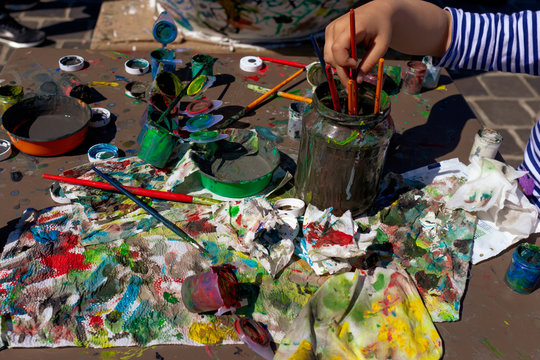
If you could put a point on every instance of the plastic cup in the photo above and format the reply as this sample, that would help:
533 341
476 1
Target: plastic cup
198 61
523 274
164 59
211 290
296 114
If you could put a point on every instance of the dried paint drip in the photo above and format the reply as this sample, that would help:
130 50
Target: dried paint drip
213 290
346 151
486 144
413 78
523 274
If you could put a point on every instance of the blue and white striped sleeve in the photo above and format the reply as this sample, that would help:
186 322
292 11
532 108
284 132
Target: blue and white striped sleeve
494 42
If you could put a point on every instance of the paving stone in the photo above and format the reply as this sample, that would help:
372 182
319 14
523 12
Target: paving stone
70 30
84 10
506 86
470 86
524 135
534 82
535 106
76 44
51 9
509 146
504 112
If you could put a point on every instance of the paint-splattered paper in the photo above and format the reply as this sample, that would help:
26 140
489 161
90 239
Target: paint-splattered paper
101 273
363 316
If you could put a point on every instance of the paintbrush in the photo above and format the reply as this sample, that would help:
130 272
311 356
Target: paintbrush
379 86
175 229
251 106
286 95
156 194
283 62
353 100
332 86
183 92
317 50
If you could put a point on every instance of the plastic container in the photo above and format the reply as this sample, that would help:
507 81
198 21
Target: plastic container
198 61
211 290
523 274
165 31
341 156
486 144
157 146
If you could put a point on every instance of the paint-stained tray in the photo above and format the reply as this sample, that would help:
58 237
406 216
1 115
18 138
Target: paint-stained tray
238 167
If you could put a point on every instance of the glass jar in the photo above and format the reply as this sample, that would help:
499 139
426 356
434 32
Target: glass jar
341 156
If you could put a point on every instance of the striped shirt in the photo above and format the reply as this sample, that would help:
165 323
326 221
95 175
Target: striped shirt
500 42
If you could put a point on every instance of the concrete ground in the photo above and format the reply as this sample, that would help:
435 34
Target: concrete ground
506 102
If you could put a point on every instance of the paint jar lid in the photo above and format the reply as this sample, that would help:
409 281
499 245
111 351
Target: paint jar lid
202 122
5 149
137 66
71 63
251 63
205 136
100 117
136 89
102 152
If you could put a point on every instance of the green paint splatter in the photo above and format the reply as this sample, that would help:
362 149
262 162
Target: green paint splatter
379 284
492 348
234 210
170 298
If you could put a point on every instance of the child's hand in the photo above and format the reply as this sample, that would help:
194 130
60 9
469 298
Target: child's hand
373 30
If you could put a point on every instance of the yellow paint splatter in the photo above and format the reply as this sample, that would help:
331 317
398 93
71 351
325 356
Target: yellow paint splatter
303 352
506 322
211 333
442 87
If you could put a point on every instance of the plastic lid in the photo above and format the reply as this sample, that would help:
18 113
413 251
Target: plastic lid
137 66
71 63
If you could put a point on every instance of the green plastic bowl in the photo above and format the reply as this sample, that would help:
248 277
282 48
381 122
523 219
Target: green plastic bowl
238 167
235 189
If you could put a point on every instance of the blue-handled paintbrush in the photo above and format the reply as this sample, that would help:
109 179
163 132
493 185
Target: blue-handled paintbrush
175 229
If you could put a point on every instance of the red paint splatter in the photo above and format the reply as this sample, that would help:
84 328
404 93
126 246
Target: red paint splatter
319 238
193 217
64 262
298 271
239 220
96 322
282 74
254 78
263 69
271 125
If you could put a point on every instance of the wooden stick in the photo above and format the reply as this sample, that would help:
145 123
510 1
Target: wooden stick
163 195
379 86
286 95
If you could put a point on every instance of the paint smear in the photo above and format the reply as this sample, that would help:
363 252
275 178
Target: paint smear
211 333
492 348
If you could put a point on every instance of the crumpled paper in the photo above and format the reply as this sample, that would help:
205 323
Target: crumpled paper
362 315
491 192
329 240
254 227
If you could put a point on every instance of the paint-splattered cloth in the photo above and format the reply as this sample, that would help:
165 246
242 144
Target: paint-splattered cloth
101 272
433 243
363 316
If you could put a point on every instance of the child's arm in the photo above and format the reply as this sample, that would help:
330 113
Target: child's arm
414 27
